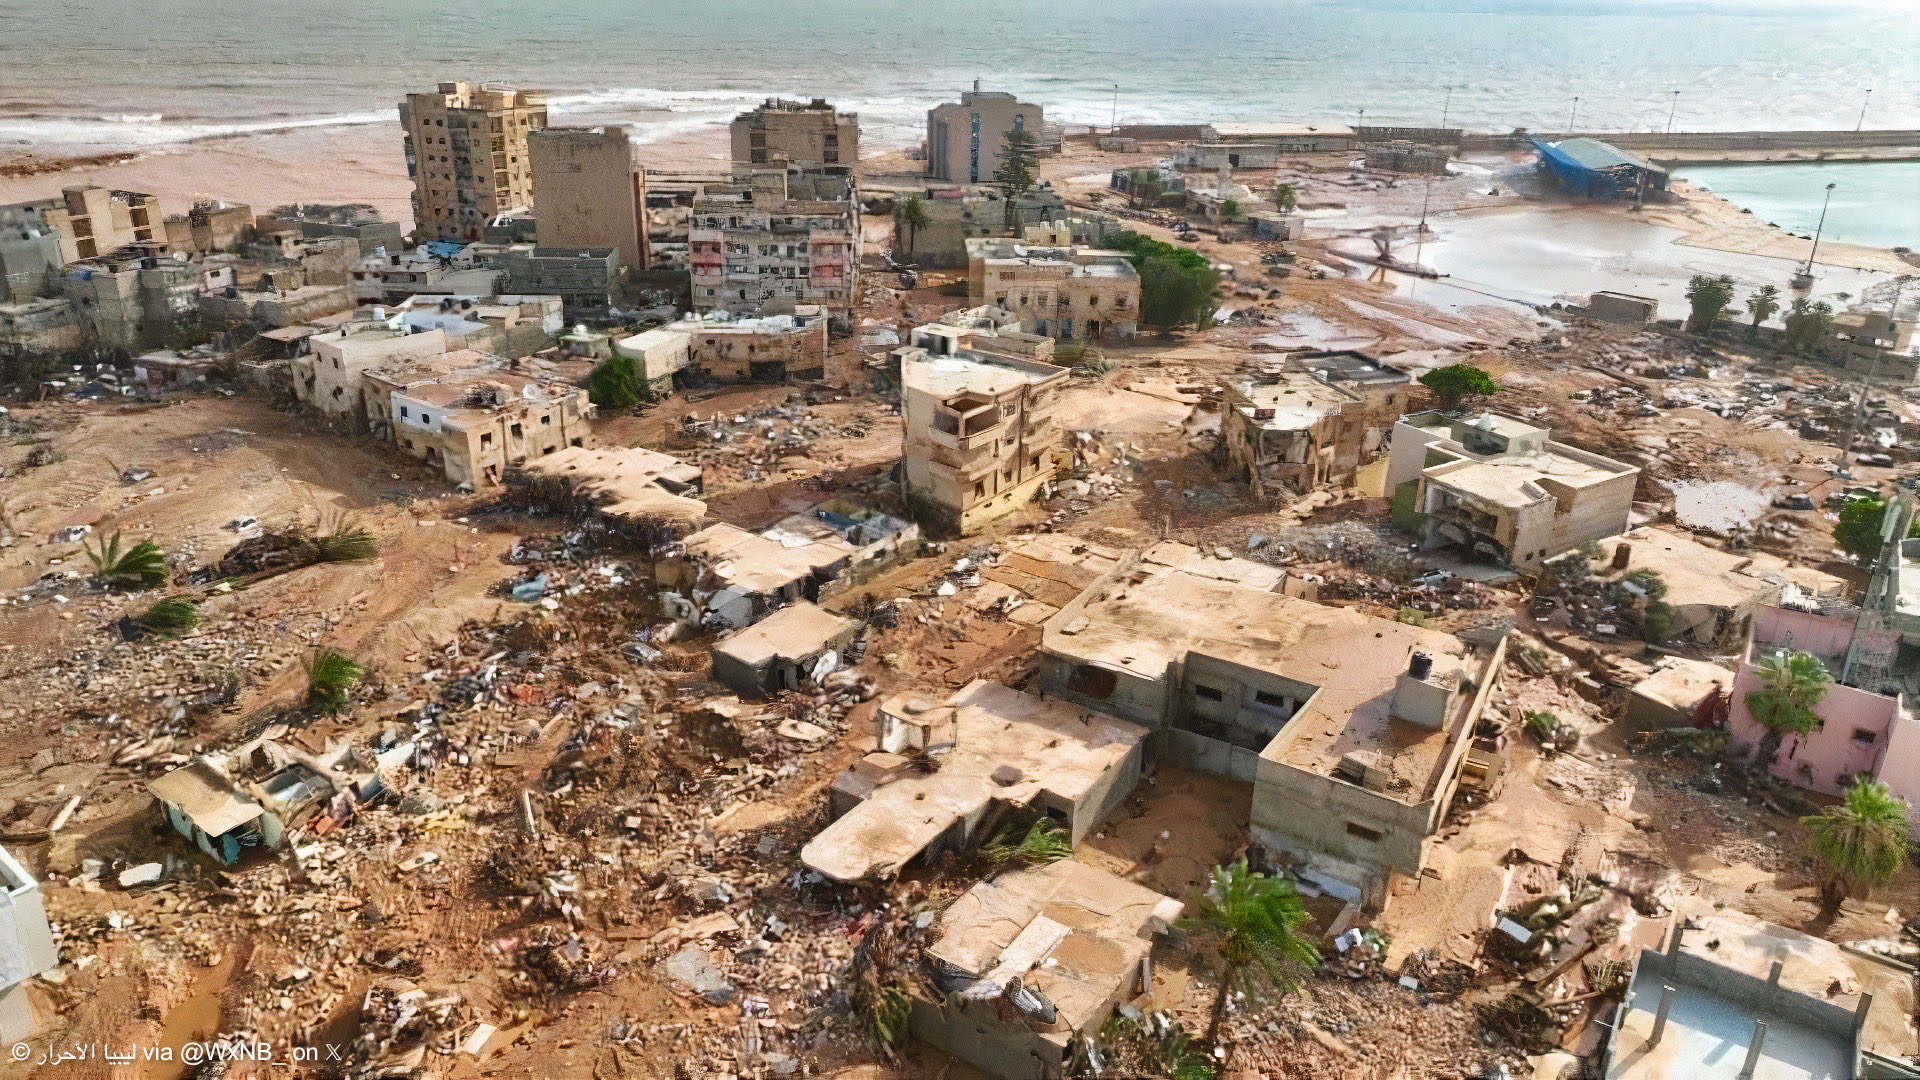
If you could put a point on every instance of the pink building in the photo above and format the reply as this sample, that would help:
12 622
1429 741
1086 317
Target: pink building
1861 732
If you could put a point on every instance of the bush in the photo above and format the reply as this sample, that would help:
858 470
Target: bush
344 541
168 618
616 384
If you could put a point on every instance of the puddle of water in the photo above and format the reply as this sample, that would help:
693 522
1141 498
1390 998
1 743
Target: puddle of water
196 1019
1539 256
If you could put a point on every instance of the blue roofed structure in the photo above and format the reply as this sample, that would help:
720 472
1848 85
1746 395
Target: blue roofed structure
1591 169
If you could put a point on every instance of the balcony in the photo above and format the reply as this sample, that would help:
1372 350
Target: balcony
965 474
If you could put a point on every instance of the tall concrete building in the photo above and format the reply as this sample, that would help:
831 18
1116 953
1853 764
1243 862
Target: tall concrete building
467 153
88 221
774 239
964 138
592 194
804 134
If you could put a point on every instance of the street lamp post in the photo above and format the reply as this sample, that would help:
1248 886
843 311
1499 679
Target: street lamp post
1804 279
1671 109
1114 123
1867 97
1446 107
1572 116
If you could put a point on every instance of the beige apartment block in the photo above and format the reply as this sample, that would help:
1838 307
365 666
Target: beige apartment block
1501 489
478 423
467 153
771 348
807 134
592 193
775 239
94 221
1352 729
964 138
331 376
1071 293
981 436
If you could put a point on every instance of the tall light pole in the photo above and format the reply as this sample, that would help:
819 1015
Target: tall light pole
1446 107
1860 123
1572 116
1671 109
1360 123
1114 124
1807 271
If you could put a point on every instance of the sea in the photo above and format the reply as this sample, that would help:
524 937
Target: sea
103 75
1875 203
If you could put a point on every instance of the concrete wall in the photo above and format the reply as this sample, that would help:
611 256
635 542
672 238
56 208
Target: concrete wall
331 377
589 191
974 1032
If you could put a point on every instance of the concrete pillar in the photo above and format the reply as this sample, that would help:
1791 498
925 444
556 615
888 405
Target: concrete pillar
1660 1016
1753 1049
1860 1014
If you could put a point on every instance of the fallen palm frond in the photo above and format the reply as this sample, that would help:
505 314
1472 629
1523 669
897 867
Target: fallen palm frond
331 677
1044 842
171 617
344 541
142 566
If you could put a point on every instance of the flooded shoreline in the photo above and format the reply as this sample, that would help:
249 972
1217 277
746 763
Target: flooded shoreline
1875 203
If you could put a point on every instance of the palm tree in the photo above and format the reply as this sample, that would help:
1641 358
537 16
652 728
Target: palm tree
913 218
1791 684
1762 305
1043 843
1254 922
1859 845
168 618
331 677
142 566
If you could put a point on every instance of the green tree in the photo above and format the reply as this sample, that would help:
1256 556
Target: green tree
1230 210
1809 324
1791 685
1454 384
141 566
1762 305
1019 162
1254 922
1708 296
1861 525
913 218
1285 198
1178 285
615 383
1859 845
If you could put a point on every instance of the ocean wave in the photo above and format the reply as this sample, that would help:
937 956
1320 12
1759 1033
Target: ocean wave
132 132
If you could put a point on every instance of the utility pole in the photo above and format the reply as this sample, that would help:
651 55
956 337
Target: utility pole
1362 122
1420 245
1860 123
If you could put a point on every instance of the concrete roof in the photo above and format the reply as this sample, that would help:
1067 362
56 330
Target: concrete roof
1298 400
1512 480
1048 744
972 372
625 481
1153 615
794 632
754 563
1695 573
206 796
1073 933
1682 683
1349 366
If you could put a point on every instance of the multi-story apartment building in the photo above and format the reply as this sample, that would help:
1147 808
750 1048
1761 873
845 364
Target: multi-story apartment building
467 153
592 193
803 134
978 409
90 221
774 239
964 137
1075 293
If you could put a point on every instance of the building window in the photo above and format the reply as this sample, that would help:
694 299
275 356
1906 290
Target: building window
1864 736
426 418
403 410
1210 693
1372 836
486 438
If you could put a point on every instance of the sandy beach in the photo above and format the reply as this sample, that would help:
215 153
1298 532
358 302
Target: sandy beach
360 163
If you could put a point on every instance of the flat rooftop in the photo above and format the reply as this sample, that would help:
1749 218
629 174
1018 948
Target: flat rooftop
1348 366
1711 1020
1296 400
1682 683
1155 615
1695 573
1008 746
1071 932
988 374
794 632
624 482
755 564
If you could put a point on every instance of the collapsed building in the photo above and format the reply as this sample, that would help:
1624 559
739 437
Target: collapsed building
1502 489
1710 594
1289 433
1005 758
1352 729
256 795
977 405
726 576
797 646
628 485
1035 960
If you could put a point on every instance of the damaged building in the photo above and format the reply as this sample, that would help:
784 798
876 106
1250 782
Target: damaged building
797 646
1351 729
256 795
628 485
774 239
726 576
1035 960
1006 758
474 425
721 348
1501 489
980 433
1071 293
1289 433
